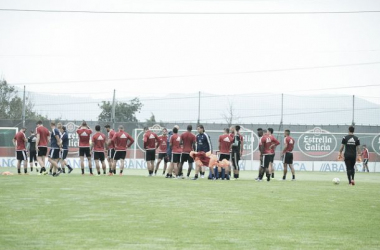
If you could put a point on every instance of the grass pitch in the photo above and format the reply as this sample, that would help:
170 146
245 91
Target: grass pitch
136 212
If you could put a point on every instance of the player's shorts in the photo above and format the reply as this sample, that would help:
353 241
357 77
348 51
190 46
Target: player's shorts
350 163
111 153
22 156
176 158
32 155
365 161
150 155
120 155
163 156
235 157
224 157
288 158
186 158
42 151
54 153
84 152
63 154
99 156
267 159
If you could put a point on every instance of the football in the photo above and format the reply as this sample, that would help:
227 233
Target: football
336 181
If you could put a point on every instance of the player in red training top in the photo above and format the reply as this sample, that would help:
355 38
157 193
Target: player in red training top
188 141
151 143
162 151
365 157
287 154
176 153
202 160
225 144
111 147
43 138
98 146
120 140
267 148
19 142
84 132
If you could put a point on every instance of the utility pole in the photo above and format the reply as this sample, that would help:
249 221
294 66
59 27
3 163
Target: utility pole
23 110
113 109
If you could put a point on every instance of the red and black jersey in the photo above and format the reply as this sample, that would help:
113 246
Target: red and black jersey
99 140
84 137
225 142
269 142
121 139
150 140
20 141
289 141
188 140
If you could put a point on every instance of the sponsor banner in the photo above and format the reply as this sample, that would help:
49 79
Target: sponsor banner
339 166
376 144
245 165
317 143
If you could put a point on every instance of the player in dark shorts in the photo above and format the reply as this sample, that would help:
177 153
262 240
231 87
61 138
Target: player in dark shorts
19 142
203 145
55 144
151 143
43 135
236 150
32 151
84 133
110 146
351 147
267 148
287 154
365 157
176 153
64 150
188 140
162 155
260 133
225 143
120 141
98 147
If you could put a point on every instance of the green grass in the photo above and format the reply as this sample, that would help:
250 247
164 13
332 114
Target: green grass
136 212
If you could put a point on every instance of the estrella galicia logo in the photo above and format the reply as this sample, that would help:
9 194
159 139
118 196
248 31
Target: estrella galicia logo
317 143
376 144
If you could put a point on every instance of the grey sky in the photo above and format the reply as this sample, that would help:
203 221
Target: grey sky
55 47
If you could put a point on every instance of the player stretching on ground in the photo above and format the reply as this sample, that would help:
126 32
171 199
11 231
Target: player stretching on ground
120 140
151 143
350 145
64 150
111 147
267 148
43 137
55 144
176 153
19 142
365 157
188 140
203 145
98 146
84 132
162 151
225 143
32 151
287 155
236 150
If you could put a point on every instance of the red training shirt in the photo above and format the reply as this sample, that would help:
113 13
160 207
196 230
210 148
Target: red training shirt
175 141
267 141
150 140
84 137
20 141
225 142
188 140
44 135
99 140
121 139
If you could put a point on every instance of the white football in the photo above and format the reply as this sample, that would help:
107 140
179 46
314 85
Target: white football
336 181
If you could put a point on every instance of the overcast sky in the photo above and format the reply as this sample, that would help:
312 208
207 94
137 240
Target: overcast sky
212 53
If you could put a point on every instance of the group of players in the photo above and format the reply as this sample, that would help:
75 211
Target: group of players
173 149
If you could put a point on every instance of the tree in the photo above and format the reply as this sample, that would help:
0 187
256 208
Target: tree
230 115
152 121
124 112
11 104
